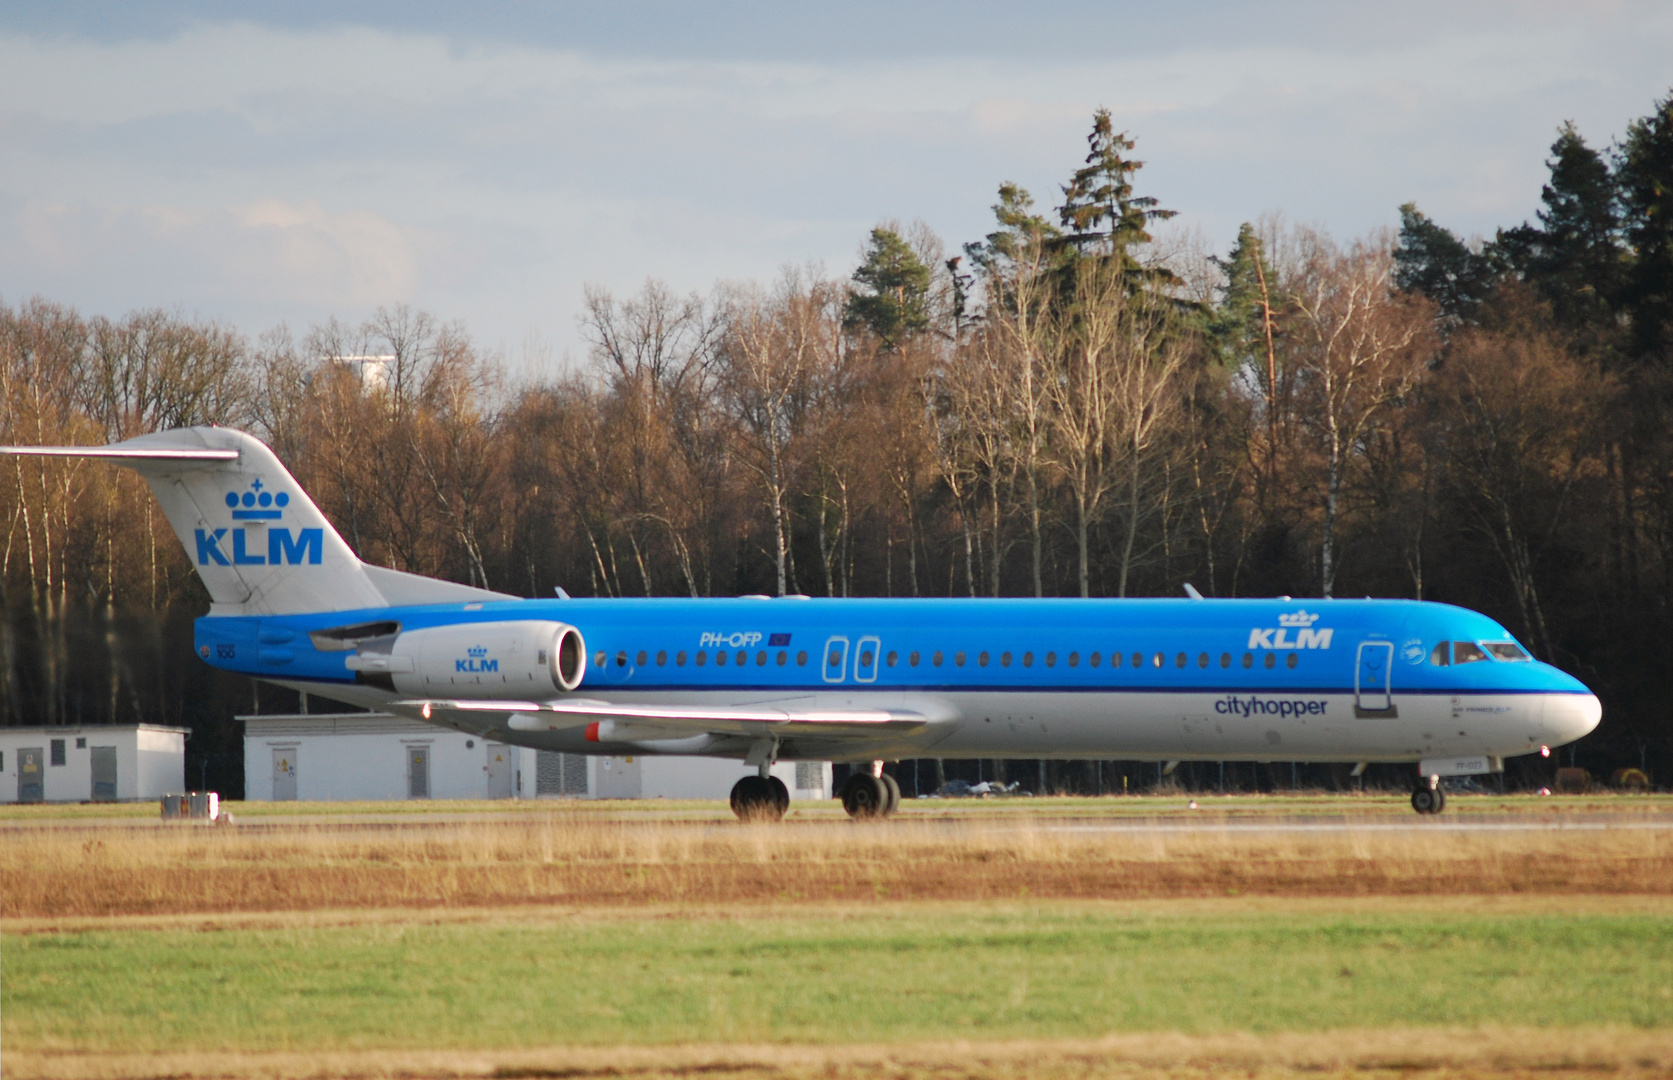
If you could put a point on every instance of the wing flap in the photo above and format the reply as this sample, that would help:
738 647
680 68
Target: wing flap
612 722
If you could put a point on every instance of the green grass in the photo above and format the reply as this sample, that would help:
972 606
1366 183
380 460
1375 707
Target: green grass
822 976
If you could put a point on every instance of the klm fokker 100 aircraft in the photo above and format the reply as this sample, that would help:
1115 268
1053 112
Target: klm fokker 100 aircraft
862 681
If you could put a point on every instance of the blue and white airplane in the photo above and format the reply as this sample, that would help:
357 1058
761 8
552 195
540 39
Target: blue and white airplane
863 681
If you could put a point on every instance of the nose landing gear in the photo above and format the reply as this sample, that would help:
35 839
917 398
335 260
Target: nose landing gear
1427 797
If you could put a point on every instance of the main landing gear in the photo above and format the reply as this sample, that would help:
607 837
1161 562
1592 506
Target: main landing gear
871 794
1427 797
760 798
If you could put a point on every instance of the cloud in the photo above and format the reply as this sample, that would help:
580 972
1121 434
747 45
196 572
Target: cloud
293 250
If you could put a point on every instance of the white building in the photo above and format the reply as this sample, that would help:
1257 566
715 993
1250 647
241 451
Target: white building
91 764
337 757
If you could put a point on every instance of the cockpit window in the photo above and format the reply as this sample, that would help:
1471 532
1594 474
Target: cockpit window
1442 654
1506 650
1466 652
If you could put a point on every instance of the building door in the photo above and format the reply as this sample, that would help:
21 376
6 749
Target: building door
104 773
499 771
31 776
1371 676
284 774
418 772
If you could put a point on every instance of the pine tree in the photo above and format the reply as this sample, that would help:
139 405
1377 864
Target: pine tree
1575 258
1429 259
891 298
1102 216
1644 178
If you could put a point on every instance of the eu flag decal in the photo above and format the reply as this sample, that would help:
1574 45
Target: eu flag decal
777 641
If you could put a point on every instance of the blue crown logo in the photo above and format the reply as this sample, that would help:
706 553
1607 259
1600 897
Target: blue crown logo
257 504
477 652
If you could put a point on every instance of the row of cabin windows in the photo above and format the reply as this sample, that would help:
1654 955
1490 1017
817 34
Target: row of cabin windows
937 659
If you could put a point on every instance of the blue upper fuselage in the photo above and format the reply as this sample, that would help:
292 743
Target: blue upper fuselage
754 644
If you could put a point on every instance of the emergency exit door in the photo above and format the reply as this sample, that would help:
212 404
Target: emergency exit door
284 774
1371 677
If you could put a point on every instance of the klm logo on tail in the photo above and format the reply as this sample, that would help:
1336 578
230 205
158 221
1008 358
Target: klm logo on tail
283 547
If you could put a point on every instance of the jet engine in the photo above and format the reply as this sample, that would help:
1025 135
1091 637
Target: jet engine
480 660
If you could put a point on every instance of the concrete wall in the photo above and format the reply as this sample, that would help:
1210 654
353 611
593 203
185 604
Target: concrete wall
150 761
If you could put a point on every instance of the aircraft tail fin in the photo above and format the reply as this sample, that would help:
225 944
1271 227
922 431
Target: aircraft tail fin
258 542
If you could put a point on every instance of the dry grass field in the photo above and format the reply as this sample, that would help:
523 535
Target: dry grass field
584 858
1048 938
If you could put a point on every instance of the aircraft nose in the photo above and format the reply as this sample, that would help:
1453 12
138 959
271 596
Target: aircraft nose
1571 716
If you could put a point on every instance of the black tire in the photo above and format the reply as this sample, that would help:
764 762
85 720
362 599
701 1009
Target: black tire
864 797
1440 801
753 800
1426 800
781 794
892 788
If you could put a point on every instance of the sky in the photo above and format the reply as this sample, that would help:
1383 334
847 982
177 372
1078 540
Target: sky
286 163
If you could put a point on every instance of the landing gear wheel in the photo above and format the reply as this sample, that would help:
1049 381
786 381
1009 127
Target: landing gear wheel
865 797
781 794
753 799
892 787
1428 800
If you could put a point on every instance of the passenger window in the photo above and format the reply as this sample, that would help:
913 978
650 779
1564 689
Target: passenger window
1051 659
1291 660
679 658
662 658
621 659
1225 659
1005 660
641 658
1074 659
1179 661
1506 650
1138 659
743 658
936 659
1441 656
782 657
761 658
1271 660
982 659
1248 661
720 657
1466 652
1158 660
958 659
913 659
702 658
1027 659
865 659
600 659
1093 658
801 659
894 658
1202 660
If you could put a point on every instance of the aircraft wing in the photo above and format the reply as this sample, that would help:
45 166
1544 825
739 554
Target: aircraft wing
611 722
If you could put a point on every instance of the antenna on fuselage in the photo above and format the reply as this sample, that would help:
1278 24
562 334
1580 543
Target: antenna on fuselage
1191 591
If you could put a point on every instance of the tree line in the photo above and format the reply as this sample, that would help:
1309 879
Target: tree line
1065 407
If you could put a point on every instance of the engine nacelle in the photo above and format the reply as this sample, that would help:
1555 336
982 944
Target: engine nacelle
521 659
